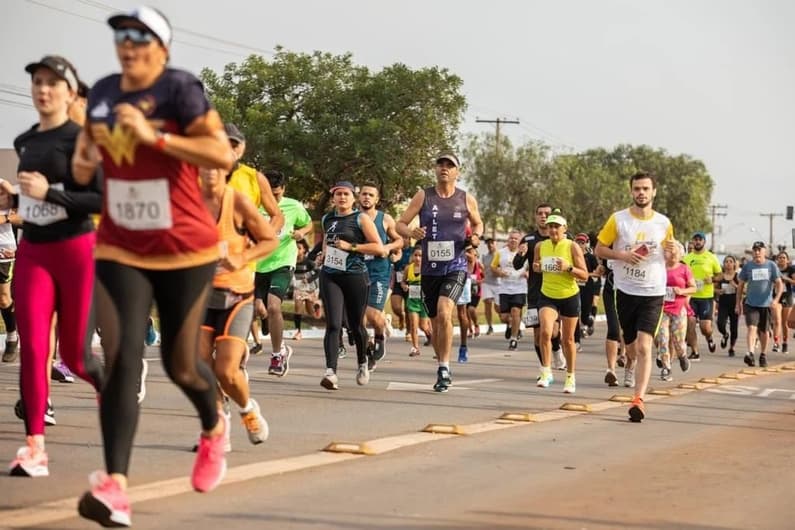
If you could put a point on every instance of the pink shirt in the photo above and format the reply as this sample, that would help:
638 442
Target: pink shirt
680 276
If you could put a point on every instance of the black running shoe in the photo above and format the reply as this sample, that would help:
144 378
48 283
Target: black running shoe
379 349
749 359
724 341
763 360
658 360
694 356
731 352
684 363
507 332
443 380
784 348
711 345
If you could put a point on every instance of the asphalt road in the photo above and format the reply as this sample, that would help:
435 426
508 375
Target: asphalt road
719 456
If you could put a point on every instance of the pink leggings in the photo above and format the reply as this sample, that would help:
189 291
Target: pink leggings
53 277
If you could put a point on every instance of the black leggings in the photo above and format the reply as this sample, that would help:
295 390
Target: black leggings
726 311
609 297
344 293
124 297
586 304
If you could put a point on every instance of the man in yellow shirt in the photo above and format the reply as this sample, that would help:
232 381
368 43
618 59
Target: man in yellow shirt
705 267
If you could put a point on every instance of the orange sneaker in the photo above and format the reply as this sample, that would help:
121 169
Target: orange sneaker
636 410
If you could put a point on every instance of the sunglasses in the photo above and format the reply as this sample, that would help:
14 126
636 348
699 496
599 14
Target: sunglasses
135 35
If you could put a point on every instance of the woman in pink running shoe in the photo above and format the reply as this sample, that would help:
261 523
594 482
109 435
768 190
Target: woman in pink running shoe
54 261
151 127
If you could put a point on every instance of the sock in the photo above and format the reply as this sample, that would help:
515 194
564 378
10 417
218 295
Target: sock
10 318
538 352
556 342
546 370
248 408
12 336
445 365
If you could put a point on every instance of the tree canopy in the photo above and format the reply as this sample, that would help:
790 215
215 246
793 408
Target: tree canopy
587 186
320 119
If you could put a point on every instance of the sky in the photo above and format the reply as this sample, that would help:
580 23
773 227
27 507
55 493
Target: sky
714 79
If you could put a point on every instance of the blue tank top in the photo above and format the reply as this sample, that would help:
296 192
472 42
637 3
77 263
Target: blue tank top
376 265
346 228
444 221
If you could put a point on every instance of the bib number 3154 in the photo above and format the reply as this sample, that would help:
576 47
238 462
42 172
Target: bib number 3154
139 204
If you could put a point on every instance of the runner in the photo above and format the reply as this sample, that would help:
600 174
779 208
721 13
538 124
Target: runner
561 264
512 288
588 289
149 127
443 210
524 254
475 271
398 298
727 300
490 286
613 336
781 307
344 288
412 284
275 273
231 303
461 308
379 269
54 261
637 235
673 327
306 296
8 251
760 282
705 267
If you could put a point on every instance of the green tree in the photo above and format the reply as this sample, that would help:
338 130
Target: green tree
321 118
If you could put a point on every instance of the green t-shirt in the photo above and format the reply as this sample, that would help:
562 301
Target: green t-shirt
704 265
295 216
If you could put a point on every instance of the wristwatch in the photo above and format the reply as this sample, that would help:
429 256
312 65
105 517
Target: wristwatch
570 269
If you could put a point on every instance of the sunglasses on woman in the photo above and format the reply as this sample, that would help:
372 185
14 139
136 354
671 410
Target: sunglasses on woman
135 35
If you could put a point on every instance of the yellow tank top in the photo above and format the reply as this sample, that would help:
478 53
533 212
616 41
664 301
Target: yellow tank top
241 281
244 180
555 283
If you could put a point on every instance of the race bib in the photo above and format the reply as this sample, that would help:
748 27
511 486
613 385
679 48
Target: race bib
440 250
760 275
549 264
139 204
368 257
41 213
531 317
635 273
670 296
415 291
336 259
699 285
398 276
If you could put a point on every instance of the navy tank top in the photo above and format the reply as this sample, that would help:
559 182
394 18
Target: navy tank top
444 221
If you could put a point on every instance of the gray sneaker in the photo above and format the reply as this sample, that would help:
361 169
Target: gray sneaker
255 424
362 375
610 378
330 380
558 360
11 352
629 377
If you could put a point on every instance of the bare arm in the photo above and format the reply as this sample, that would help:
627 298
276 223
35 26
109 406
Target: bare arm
395 241
579 268
268 201
475 222
402 226
260 230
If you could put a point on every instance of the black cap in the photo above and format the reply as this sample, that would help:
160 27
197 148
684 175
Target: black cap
234 133
758 244
60 66
342 184
82 89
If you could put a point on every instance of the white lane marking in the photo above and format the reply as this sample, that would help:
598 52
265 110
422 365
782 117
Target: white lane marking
751 391
457 385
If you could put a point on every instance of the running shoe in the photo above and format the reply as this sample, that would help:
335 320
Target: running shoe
209 467
371 364
749 359
388 329
61 373
427 341
11 353
256 349
629 377
731 352
330 380
558 360
105 503
724 340
684 363
763 360
491 330
276 365
507 332
49 412
379 349
443 379
151 334
775 347
590 329
570 385
659 362
711 345
513 344
621 360
142 380
610 378
665 374
31 461
694 356
414 352
636 410
545 379
342 352
362 375
255 424
784 348
463 354
297 335
351 341
286 355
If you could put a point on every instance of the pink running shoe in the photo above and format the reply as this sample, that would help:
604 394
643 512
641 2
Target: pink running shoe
106 503
31 461
210 465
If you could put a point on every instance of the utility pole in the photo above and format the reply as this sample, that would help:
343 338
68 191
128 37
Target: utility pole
770 217
715 210
497 123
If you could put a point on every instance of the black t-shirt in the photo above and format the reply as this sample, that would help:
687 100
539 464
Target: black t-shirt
533 278
50 153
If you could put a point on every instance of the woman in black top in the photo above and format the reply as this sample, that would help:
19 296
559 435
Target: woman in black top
782 308
726 285
344 284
